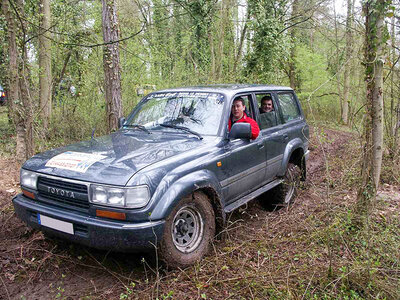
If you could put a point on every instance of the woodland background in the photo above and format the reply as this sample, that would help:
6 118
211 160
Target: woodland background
71 68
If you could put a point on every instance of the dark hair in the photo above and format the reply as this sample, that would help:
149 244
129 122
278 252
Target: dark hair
239 99
266 98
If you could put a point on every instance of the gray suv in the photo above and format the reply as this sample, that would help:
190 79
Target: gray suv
170 175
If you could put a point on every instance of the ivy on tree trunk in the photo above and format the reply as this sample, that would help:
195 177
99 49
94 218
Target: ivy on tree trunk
112 72
374 12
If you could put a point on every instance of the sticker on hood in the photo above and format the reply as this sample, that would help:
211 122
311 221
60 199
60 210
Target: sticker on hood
74 161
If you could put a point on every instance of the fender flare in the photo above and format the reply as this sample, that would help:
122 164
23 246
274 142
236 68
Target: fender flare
183 187
290 148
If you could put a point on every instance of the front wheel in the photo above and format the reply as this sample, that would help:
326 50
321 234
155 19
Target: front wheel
188 231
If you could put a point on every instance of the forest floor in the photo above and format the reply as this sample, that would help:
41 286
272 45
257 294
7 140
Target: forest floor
306 251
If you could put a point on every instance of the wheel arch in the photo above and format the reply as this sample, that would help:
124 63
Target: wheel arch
294 153
203 181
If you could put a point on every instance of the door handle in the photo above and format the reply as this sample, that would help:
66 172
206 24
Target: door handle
285 137
260 145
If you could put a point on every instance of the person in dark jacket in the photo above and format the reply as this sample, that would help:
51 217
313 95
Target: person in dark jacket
239 115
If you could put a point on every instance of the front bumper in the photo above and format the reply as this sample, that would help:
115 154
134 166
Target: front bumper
89 230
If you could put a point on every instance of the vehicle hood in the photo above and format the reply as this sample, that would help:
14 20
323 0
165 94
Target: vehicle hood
112 159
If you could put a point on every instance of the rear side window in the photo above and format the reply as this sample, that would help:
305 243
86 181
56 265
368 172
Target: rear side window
290 110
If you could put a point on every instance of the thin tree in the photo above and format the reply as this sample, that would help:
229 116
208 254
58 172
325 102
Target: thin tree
374 12
293 35
20 101
338 54
394 108
111 64
347 67
45 78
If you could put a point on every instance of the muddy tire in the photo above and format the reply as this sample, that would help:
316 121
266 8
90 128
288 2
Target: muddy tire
283 194
188 232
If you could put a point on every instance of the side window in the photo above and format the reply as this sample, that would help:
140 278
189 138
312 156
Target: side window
290 110
268 113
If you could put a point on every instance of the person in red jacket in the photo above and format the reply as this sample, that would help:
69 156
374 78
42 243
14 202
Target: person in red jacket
238 115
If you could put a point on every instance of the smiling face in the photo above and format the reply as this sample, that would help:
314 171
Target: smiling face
238 109
267 105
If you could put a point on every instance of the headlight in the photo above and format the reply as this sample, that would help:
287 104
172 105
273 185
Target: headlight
134 197
28 179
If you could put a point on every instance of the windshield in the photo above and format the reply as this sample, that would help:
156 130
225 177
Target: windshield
198 112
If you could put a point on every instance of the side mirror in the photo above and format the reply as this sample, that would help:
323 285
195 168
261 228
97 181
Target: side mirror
121 122
240 131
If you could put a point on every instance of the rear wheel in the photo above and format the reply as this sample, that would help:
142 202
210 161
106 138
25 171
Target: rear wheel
284 193
188 231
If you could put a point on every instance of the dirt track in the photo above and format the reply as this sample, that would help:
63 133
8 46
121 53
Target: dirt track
33 267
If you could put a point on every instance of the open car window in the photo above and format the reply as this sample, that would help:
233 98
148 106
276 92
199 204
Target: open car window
247 102
269 116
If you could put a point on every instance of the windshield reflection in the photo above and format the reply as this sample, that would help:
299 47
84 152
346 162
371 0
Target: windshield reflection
198 112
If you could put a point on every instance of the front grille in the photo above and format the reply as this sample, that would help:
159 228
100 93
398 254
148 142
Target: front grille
63 193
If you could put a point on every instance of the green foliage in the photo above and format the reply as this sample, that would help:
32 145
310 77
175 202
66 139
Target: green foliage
179 43
269 46
370 252
312 69
7 142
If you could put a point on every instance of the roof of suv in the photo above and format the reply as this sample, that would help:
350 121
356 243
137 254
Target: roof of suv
229 88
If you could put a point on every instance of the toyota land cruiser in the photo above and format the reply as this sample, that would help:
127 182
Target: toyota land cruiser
169 176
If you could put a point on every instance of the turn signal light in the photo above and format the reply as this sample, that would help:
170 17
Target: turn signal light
28 194
110 214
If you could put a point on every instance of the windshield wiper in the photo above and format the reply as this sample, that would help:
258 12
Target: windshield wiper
141 127
182 128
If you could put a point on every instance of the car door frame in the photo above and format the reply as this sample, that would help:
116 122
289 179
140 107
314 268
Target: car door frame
242 179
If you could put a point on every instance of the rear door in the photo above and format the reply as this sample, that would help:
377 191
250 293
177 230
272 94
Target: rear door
291 115
273 134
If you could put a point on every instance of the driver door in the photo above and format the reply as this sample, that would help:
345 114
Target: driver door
245 162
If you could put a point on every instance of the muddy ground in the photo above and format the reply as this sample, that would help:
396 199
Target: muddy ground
264 254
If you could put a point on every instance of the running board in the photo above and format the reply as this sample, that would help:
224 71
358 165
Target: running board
252 195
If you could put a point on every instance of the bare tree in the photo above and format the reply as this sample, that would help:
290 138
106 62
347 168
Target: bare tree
394 108
347 67
45 78
338 54
293 34
374 12
111 65
20 102
239 50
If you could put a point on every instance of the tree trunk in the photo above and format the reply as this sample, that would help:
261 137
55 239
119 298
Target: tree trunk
212 53
221 37
24 82
373 130
293 33
57 80
394 108
377 105
339 89
27 103
45 79
18 96
112 72
241 42
347 67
